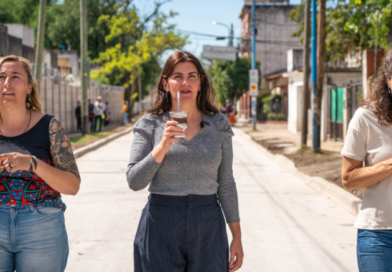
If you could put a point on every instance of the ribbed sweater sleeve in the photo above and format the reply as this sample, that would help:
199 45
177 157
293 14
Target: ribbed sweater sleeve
142 167
227 190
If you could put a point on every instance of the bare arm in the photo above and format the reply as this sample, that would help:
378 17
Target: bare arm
355 176
64 176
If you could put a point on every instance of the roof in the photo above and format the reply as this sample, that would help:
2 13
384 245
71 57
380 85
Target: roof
247 7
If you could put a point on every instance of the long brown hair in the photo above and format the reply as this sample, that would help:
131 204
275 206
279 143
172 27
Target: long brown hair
381 101
32 102
205 97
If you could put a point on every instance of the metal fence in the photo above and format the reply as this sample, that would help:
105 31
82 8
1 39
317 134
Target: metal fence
59 94
354 96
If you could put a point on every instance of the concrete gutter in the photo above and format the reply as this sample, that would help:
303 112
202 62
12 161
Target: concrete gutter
341 197
83 150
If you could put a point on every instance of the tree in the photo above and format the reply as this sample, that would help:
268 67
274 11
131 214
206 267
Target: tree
352 26
230 78
64 29
137 51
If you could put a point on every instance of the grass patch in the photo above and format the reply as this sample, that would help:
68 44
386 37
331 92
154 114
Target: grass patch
88 136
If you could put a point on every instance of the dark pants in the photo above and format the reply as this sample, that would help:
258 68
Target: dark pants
181 233
92 123
98 121
79 123
374 250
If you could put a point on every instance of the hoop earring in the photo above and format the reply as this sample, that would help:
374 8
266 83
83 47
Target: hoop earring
28 102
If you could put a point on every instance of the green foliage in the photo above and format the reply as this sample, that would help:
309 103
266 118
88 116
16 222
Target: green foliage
276 116
372 16
230 78
137 50
268 101
89 136
64 28
351 26
95 75
297 14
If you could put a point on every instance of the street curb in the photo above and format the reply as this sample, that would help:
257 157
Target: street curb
84 150
341 197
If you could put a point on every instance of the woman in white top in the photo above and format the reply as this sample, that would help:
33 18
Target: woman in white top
369 140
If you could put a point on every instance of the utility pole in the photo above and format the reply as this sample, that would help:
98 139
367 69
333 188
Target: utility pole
231 44
253 102
314 77
321 67
139 80
83 61
40 42
304 133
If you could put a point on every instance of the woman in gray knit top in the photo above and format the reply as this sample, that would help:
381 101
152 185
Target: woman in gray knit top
182 227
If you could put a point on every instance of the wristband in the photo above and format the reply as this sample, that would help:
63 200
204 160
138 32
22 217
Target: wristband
33 163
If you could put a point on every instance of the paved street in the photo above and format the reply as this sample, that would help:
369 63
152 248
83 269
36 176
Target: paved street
287 226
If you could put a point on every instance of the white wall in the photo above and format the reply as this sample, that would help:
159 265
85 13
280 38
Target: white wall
60 99
72 55
22 32
294 118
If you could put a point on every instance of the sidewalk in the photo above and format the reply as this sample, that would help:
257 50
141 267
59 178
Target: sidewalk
279 134
113 126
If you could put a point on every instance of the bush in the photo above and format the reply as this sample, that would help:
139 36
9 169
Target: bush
276 116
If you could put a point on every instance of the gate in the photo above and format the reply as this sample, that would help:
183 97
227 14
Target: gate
335 116
354 97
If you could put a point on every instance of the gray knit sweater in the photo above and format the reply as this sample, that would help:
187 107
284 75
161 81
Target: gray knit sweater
202 166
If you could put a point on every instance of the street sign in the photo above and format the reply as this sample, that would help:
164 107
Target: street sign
253 75
253 89
219 53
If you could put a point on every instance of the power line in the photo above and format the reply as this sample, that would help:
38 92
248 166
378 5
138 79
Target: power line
240 38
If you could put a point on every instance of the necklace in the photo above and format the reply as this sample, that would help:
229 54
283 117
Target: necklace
26 127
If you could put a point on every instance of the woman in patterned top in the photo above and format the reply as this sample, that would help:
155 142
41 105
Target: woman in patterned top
37 165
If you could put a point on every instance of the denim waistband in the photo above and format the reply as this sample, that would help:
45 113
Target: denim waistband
200 200
16 207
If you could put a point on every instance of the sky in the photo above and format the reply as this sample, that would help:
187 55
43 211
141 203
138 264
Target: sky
198 15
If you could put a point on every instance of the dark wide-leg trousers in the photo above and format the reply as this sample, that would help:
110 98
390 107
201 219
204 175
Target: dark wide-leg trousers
181 233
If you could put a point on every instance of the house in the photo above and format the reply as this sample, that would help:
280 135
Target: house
18 39
68 62
337 82
273 39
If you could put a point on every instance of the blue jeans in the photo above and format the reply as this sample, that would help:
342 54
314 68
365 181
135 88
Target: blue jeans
374 250
32 239
125 117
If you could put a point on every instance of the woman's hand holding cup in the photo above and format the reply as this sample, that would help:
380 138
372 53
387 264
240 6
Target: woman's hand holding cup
170 131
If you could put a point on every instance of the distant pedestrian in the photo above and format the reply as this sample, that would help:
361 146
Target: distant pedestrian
91 116
276 106
222 110
228 109
78 115
369 140
37 166
125 112
99 108
107 114
191 181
